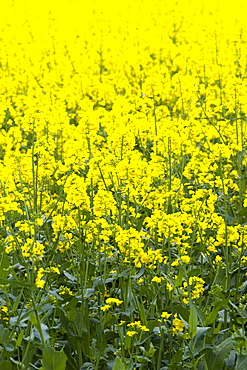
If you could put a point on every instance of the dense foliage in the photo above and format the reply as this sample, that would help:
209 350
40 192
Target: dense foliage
123 209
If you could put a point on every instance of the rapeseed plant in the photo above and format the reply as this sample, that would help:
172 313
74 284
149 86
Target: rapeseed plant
122 184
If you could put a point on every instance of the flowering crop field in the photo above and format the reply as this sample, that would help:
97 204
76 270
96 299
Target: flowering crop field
123 206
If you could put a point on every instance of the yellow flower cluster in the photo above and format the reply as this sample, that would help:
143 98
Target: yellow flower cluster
123 151
178 325
32 249
110 302
39 281
195 288
138 326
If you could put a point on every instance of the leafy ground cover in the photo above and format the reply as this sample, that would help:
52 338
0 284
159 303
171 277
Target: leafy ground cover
123 211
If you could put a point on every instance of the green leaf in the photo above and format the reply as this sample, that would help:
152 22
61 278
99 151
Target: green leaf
200 315
183 311
241 363
72 314
118 364
17 301
109 319
53 360
220 276
4 264
212 316
86 365
69 276
192 320
100 341
42 329
194 272
196 345
5 365
89 293
176 360
199 340
243 288
217 357
141 311
230 362
16 283
128 342
179 279
4 335
19 339
124 273
139 274
72 303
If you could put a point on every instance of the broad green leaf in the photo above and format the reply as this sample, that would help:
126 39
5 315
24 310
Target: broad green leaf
230 362
39 326
183 311
194 272
72 314
127 342
199 340
220 276
89 293
71 304
45 333
4 335
241 363
118 364
217 357
69 276
192 320
177 358
196 345
212 316
53 360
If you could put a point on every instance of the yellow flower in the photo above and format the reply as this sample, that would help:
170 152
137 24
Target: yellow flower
138 325
111 301
131 333
169 287
105 307
218 259
165 315
4 309
139 281
156 279
178 325
185 259
175 263
40 283
39 221
65 290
